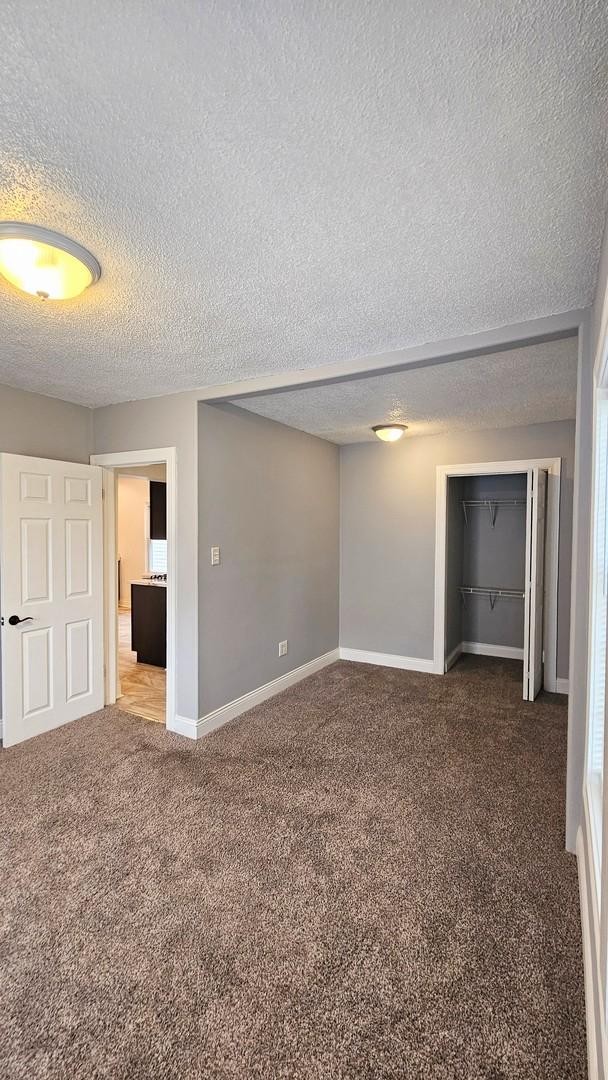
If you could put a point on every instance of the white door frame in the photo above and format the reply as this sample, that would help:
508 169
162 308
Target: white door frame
164 456
489 468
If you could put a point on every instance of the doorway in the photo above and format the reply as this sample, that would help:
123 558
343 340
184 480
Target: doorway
141 556
497 566
139 601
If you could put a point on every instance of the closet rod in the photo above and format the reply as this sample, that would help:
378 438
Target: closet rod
491 505
492 594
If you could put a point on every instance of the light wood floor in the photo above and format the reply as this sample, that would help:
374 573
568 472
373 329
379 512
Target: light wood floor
143 685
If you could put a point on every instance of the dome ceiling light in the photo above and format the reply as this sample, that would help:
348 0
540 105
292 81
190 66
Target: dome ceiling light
45 263
389 432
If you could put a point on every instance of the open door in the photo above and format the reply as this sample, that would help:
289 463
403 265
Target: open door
535 583
51 591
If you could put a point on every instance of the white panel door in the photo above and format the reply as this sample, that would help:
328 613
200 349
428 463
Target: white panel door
535 583
51 592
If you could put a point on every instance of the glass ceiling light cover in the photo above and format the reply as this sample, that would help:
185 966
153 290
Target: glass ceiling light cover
389 432
45 263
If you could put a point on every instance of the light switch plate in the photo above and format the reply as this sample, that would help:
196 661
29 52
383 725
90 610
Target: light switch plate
215 556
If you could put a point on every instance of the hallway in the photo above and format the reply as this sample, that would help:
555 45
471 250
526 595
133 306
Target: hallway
143 686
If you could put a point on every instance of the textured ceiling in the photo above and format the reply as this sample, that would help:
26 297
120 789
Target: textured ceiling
507 389
277 185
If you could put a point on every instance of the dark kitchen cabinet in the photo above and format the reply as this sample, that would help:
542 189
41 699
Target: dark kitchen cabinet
158 510
149 624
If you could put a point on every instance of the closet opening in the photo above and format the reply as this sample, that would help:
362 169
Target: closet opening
498 567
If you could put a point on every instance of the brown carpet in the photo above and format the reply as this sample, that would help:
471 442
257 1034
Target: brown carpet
361 878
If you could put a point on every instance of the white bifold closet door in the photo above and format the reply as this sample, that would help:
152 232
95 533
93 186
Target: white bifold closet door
51 590
534 583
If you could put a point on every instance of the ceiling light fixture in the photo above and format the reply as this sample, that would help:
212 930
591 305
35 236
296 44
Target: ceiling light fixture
45 263
389 432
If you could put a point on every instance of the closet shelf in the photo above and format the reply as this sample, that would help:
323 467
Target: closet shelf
492 594
491 505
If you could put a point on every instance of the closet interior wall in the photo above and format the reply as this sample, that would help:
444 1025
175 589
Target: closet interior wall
454 621
486 548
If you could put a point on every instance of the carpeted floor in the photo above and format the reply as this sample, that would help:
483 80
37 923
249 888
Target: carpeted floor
361 878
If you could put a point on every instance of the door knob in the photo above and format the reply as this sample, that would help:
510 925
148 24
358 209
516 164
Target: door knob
15 620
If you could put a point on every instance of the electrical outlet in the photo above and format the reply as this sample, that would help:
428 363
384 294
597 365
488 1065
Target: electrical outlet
215 556
283 648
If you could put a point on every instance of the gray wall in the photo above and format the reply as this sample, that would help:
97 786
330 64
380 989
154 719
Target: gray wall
269 497
454 566
44 427
388 531
155 423
495 556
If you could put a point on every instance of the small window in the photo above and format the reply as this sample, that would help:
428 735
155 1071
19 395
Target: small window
157 556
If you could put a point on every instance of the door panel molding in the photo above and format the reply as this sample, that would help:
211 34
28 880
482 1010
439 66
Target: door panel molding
37 670
35 559
77 557
78 658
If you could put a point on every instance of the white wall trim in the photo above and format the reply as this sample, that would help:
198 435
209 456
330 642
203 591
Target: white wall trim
507 652
577 708
592 1064
154 456
453 657
547 328
480 648
597 1042
195 729
597 847
166 455
181 725
407 663
490 468
111 674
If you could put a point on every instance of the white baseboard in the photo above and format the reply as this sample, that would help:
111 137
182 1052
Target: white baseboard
479 648
596 1038
453 657
181 725
562 686
407 663
195 729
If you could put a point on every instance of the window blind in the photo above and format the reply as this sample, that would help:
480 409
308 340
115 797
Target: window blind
157 557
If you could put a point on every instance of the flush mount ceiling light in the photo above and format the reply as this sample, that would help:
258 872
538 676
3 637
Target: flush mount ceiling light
45 263
389 432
